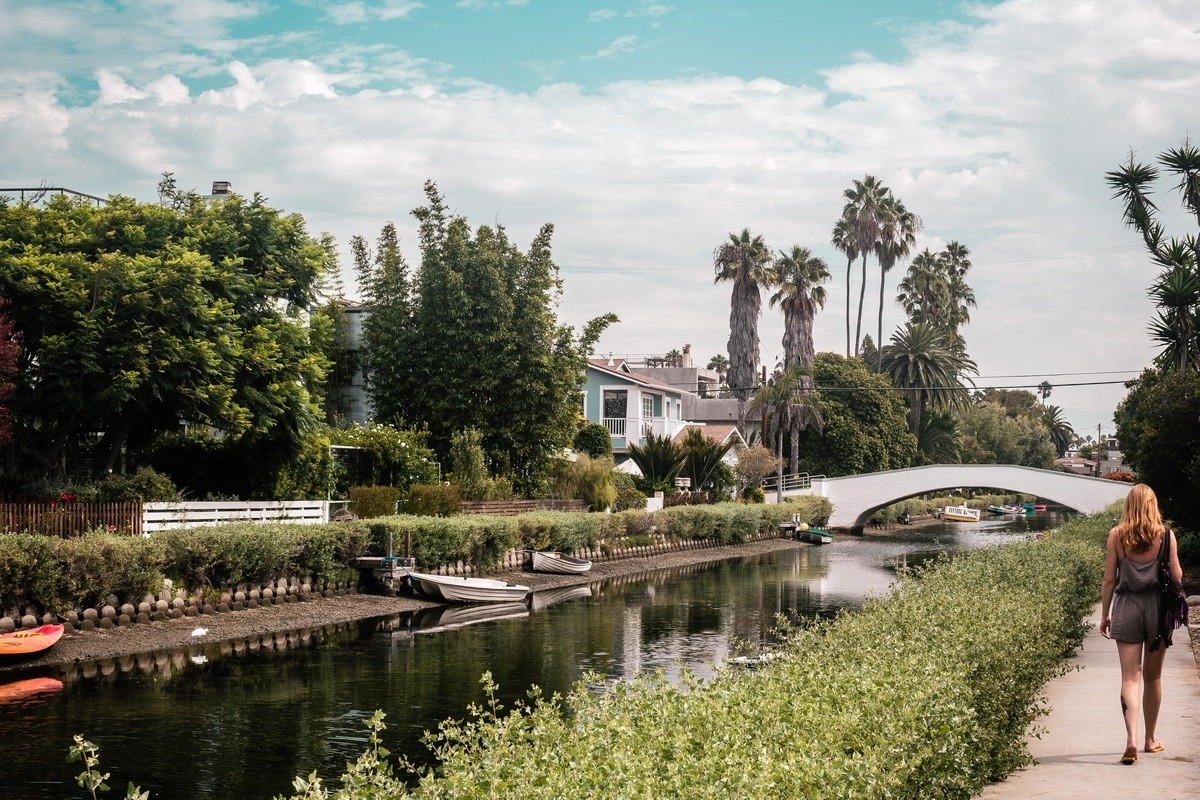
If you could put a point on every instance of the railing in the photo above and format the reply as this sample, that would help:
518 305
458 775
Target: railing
71 518
615 425
163 516
794 482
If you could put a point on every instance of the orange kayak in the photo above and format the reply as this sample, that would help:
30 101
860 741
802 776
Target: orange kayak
19 690
34 640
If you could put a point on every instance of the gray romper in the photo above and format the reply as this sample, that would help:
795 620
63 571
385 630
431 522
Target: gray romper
1135 605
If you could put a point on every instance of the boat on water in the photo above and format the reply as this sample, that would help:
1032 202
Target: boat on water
559 563
1009 509
467 590
997 510
30 641
1039 506
961 514
1028 508
816 536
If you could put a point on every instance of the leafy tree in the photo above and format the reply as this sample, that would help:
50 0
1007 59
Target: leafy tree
938 441
382 455
860 230
870 353
703 465
659 460
991 435
593 439
864 421
746 262
1156 425
134 317
897 235
471 341
10 351
754 464
923 363
1176 291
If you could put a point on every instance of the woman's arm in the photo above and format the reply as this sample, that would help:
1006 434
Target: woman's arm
1173 566
1110 582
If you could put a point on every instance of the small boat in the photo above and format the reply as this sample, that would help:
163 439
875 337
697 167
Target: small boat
28 642
1039 506
816 536
23 689
1028 508
468 590
997 510
1008 509
961 514
559 563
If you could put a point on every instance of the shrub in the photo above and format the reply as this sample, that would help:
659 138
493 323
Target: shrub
98 564
628 495
433 500
559 530
31 574
475 538
145 485
591 480
469 463
594 440
373 501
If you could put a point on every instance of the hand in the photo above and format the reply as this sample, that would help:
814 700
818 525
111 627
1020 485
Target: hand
1105 624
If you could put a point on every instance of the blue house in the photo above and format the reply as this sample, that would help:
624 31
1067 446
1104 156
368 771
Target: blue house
631 406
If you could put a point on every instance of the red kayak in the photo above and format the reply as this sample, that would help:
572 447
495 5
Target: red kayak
33 640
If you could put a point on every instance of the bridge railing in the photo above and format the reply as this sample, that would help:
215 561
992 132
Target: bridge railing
793 482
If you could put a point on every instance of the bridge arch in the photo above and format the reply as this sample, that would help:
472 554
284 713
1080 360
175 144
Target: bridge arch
856 497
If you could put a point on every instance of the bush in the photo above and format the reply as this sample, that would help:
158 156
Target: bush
478 539
590 480
559 530
145 485
31 574
373 501
433 500
628 495
99 564
593 440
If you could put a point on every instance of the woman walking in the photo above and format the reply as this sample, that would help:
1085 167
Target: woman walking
1130 611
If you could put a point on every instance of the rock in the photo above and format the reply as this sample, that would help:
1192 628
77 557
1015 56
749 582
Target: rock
1193 600
90 615
7 624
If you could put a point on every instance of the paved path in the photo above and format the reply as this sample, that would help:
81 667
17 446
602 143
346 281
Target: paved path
1077 756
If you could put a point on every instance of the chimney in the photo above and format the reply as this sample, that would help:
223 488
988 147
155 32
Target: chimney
687 355
222 187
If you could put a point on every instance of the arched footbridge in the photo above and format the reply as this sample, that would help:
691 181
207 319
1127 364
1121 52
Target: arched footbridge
856 497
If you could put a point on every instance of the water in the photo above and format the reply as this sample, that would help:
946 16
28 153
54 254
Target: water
243 720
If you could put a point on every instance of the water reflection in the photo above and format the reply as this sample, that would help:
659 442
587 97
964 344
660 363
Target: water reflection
241 719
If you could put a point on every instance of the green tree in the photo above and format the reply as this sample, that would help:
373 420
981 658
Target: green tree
864 216
133 318
1061 432
720 365
378 454
1175 292
471 341
1044 389
991 435
864 429
745 261
844 240
924 364
703 465
897 234
659 460
1156 425
469 464
593 439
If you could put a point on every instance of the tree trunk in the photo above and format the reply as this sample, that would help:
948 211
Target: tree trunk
879 328
862 298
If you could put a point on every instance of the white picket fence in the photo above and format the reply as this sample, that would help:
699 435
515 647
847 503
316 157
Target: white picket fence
164 516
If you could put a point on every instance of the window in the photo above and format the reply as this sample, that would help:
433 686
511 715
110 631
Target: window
647 406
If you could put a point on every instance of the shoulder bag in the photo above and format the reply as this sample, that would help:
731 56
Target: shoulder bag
1172 603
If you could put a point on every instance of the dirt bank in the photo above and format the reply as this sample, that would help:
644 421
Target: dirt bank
131 640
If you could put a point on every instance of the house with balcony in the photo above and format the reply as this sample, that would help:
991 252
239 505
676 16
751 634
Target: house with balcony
630 405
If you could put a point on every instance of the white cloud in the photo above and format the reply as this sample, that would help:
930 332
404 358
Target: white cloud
997 133
356 12
617 47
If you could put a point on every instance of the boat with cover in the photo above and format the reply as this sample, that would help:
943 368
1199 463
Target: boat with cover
816 536
559 563
997 510
467 590
961 514
1009 509
30 641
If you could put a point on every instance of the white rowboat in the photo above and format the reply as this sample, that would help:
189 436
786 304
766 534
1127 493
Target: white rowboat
559 563
961 514
468 590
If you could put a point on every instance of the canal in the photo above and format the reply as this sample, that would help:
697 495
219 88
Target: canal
241 720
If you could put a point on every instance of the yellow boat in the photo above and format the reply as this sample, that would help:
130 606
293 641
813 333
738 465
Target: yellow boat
961 514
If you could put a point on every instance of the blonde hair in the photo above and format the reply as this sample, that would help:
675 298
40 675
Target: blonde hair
1141 522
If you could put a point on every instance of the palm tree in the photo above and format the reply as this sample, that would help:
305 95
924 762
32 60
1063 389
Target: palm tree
928 366
956 263
720 365
864 215
703 459
1177 295
744 260
659 460
923 292
938 440
1044 389
897 235
843 239
1061 432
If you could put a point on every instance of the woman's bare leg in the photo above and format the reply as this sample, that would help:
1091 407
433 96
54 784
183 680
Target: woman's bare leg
1152 665
1131 690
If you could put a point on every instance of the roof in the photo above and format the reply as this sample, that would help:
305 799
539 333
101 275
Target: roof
618 368
720 432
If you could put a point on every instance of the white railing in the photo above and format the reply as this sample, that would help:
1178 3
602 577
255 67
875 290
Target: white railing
615 425
793 482
164 516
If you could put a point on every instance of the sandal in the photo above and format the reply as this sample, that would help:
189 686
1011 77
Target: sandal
1157 747
1130 755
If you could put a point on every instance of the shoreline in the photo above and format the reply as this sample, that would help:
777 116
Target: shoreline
176 634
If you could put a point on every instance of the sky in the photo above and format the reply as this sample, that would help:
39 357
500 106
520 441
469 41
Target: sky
647 132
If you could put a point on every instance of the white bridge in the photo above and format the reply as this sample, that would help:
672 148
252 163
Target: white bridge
856 497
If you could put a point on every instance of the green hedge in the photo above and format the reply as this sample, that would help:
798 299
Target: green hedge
926 693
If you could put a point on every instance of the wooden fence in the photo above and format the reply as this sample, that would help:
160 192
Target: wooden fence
70 519
510 508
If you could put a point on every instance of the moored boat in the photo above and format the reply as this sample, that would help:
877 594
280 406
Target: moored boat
23 689
1039 506
1010 509
997 510
559 563
816 536
961 514
467 590
30 641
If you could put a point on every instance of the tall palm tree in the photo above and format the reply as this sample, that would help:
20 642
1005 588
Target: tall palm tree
1044 389
956 263
843 239
720 365
864 215
923 291
897 234
1061 432
746 261
1177 295
929 367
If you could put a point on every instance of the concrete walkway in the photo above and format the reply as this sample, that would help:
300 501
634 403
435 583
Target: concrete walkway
1077 756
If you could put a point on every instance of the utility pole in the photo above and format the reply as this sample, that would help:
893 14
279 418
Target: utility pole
1097 453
